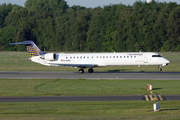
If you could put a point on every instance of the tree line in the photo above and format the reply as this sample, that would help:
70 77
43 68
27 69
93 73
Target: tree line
54 26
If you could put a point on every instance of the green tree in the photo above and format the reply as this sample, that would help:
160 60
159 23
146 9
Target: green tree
120 35
46 5
4 11
94 37
7 36
173 31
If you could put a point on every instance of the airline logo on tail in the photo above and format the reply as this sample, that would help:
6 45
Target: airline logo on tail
32 49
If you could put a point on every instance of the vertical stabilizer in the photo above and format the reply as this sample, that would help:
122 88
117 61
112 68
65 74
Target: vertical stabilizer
32 49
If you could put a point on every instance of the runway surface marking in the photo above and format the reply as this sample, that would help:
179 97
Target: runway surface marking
161 99
153 98
146 97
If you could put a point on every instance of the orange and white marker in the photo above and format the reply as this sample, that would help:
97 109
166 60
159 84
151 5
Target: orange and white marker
149 87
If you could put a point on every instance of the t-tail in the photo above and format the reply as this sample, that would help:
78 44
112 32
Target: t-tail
32 49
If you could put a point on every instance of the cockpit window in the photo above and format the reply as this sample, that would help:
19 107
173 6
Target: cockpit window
156 56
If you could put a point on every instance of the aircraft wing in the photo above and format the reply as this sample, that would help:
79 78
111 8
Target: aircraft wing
76 65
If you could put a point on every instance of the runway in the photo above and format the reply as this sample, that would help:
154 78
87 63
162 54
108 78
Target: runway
96 75
87 98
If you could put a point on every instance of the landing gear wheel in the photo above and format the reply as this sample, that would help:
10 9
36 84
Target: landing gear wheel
90 70
81 71
160 69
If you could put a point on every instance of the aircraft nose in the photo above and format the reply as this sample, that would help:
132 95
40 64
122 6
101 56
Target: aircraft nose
167 61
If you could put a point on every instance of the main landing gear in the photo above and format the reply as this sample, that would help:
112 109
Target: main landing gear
160 69
90 70
81 71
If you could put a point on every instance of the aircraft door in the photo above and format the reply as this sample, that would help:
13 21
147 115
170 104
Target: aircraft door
145 60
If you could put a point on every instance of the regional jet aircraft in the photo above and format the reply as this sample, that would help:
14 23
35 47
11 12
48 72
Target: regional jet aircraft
92 60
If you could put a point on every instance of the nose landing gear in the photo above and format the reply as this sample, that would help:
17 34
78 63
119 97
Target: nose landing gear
160 69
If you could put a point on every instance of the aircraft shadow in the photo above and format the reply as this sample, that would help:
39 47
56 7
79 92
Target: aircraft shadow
157 88
119 70
167 109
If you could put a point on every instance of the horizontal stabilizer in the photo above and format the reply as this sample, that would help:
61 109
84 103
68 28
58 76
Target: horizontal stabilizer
28 42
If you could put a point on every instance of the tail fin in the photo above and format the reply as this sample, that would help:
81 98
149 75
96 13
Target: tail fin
32 49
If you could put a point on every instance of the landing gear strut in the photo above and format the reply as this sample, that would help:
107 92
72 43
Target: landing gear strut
90 70
160 69
81 71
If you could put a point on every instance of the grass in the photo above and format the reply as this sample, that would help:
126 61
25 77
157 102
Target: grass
37 87
18 61
137 110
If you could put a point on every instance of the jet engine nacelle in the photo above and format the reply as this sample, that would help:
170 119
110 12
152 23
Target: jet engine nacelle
50 56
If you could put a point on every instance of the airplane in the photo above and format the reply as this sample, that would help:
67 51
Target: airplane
92 60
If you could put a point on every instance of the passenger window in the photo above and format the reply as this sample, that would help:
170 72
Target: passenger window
117 56
113 56
66 57
120 56
124 56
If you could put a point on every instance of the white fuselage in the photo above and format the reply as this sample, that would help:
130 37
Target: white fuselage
104 59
